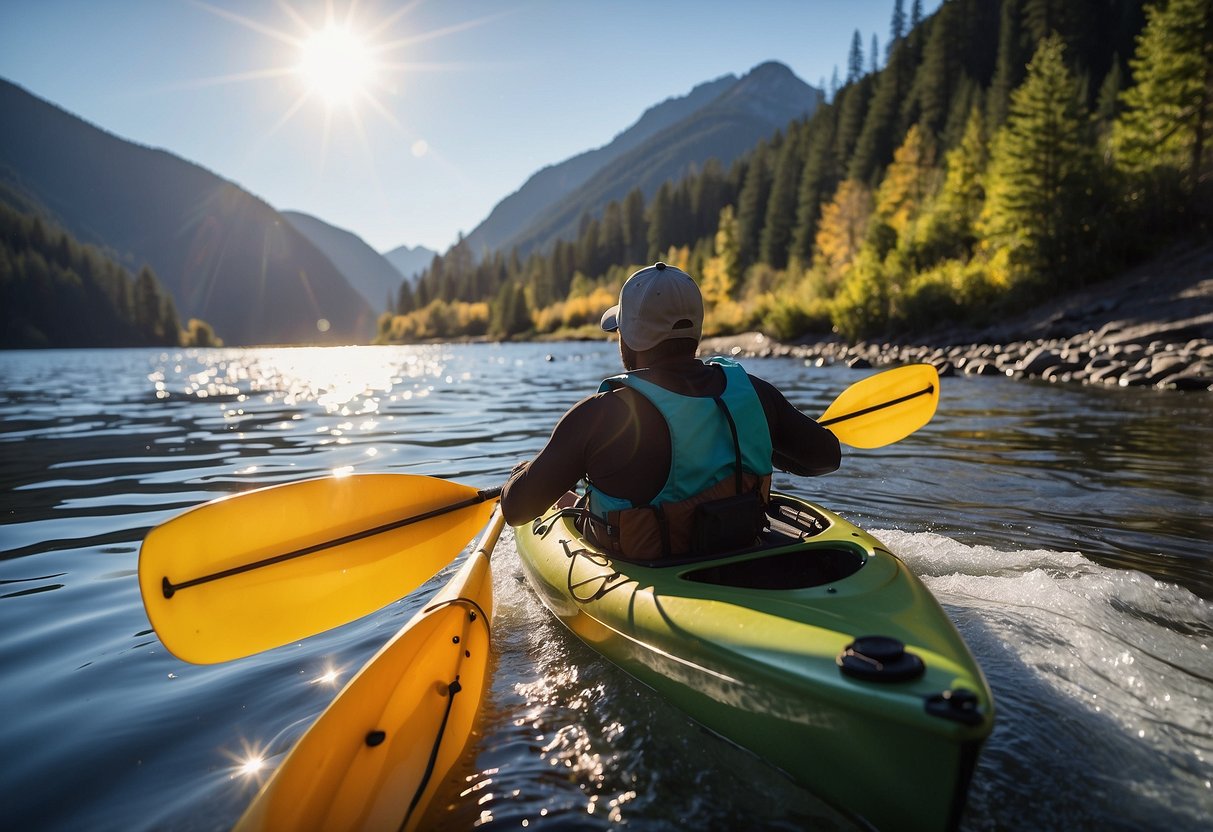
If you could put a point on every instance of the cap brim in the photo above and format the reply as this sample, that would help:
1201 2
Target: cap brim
610 319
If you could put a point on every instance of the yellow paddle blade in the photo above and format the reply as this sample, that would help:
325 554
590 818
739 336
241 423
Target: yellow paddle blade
382 748
884 408
264 568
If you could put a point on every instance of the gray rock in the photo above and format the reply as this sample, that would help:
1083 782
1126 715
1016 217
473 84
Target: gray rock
1134 378
981 367
1108 373
1038 360
1186 382
1165 366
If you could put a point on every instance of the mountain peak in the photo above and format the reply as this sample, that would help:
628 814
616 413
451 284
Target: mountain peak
554 182
771 69
410 261
770 90
739 115
718 119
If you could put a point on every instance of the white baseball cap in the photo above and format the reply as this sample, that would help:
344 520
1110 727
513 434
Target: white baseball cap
657 303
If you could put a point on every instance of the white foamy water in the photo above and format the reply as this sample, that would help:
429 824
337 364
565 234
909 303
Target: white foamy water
1104 672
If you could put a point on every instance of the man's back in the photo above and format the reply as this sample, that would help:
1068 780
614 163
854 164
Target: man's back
620 441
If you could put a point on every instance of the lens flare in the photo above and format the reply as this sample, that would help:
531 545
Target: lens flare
250 762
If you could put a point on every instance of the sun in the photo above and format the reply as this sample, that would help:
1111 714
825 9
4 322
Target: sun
343 55
336 64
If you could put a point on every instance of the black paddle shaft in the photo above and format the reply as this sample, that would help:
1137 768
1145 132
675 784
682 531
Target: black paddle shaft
926 391
170 589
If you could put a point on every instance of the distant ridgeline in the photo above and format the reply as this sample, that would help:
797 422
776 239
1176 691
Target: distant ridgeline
1002 153
57 292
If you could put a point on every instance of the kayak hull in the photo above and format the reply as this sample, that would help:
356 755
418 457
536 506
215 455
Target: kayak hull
752 646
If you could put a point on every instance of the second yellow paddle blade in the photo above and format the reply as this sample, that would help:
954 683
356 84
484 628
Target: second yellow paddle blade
376 756
884 408
213 590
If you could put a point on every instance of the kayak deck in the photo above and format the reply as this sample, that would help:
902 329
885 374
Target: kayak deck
818 650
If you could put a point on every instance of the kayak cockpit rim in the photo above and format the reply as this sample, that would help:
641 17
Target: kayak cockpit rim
785 558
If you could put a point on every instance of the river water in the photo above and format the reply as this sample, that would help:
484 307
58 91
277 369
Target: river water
1065 529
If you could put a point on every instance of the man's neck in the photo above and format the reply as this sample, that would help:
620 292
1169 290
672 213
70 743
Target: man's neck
675 364
684 374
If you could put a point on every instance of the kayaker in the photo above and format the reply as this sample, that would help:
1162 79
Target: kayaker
677 452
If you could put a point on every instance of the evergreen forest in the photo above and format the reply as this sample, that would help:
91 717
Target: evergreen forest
58 292
990 156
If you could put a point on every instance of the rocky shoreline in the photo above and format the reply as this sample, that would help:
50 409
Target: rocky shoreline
1152 327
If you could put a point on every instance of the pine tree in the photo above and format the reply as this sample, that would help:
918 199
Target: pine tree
541 280
518 321
722 273
947 231
963 189
147 301
874 145
1076 21
897 26
781 205
1009 65
915 14
661 221
429 284
852 112
458 265
611 240
710 191
910 179
635 229
682 227
1040 190
874 56
1167 121
842 229
752 202
168 328
405 303
563 260
511 314
1107 106
585 247
968 95
940 70
855 59
817 181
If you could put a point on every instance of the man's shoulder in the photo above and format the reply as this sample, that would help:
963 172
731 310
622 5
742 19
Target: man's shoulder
761 383
773 400
602 404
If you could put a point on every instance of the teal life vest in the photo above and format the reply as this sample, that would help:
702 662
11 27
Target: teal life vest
709 437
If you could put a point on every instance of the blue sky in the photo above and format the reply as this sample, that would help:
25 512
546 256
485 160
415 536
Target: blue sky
441 108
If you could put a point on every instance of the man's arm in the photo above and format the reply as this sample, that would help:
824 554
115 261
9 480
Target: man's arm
534 486
801 446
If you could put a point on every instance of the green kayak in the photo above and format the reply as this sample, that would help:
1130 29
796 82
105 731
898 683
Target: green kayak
818 651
